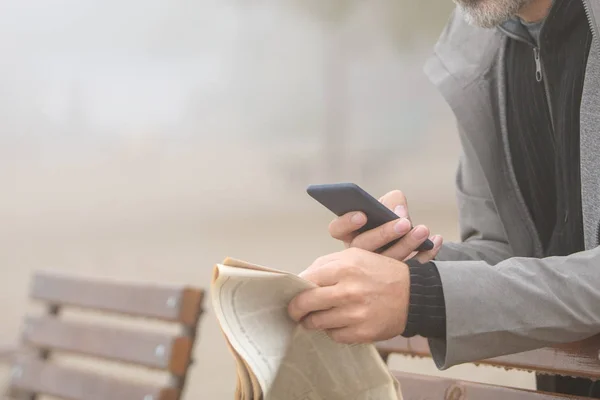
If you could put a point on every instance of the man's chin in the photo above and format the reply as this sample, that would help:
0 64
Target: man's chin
489 13
483 20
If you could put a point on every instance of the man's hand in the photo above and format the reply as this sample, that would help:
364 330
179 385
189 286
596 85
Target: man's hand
345 229
362 297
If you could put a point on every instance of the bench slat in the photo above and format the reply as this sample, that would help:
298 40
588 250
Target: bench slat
177 304
149 349
35 376
419 387
575 359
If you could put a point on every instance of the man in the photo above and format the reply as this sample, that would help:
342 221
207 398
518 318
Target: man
523 79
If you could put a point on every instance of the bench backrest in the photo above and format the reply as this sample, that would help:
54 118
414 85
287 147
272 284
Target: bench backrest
581 359
36 373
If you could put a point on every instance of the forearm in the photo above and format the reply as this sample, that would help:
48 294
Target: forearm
517 305
427 312
490 251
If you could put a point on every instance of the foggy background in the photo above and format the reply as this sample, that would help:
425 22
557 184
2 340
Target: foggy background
149 140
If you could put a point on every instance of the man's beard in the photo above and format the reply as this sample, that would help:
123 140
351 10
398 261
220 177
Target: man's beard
489 13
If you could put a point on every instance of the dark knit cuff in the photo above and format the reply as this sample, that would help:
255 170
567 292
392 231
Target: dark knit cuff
427 308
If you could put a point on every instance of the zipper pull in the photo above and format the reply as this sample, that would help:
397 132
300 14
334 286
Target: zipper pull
538 64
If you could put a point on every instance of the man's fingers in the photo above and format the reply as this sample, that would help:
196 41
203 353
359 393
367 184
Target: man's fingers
313 300
379 237
396 201
408 243
344 227
326 273
334 318
427 256
352 334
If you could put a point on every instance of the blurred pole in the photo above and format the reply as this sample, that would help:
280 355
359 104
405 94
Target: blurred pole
76 122
333 15
336 95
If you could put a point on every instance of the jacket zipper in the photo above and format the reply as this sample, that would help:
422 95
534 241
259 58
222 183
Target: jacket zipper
591 22
539 73
539 77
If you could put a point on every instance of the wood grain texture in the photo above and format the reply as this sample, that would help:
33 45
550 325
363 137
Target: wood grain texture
579 359
39 377
154 350
170 303
420 387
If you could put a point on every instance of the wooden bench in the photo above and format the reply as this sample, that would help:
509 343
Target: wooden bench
577 359
35 373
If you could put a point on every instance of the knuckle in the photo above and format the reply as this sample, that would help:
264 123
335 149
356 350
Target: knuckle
387 233
336 229
335 336
343 226
352 293
318 322
360 314
415 243
354 251
293 309
297 307
320 261
396 193
354 243
364 335
398 196
423 257
338 269
394 198
313 322
351 270
400 254
331 227
340 337
358 244
351 256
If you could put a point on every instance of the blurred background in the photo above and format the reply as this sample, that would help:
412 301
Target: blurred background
149 139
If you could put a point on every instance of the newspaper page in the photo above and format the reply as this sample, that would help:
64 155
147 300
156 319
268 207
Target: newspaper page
289 362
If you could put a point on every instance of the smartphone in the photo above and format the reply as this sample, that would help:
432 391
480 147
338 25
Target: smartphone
342 198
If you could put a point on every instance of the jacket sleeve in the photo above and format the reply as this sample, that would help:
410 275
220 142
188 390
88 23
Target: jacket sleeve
517 305
482 234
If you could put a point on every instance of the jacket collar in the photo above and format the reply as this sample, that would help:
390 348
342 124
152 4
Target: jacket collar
563 15
464 53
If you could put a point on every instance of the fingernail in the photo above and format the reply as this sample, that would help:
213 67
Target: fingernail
402 226
420 232
401 211
437 241
358 219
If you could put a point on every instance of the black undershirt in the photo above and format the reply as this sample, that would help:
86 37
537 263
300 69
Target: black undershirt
545 150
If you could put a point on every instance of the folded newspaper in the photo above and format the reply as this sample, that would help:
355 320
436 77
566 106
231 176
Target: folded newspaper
279 360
